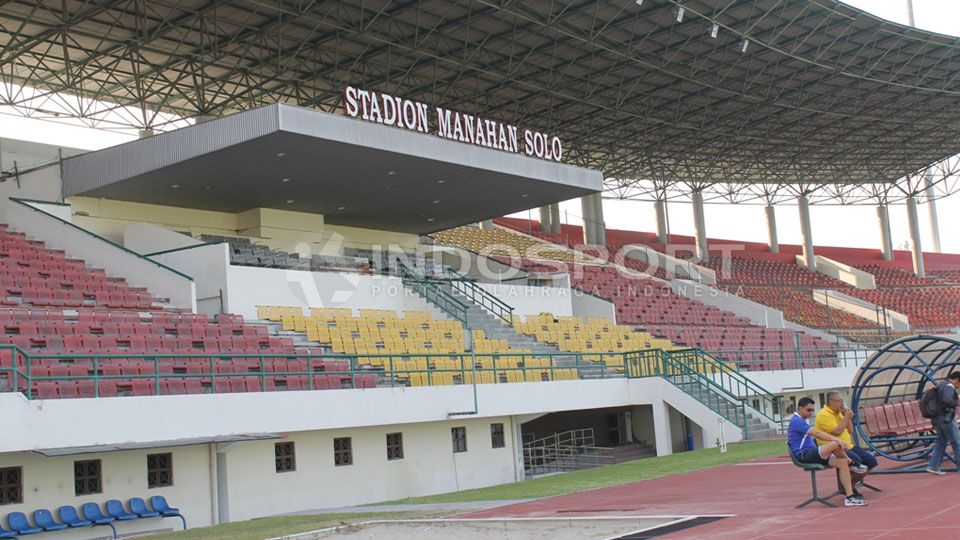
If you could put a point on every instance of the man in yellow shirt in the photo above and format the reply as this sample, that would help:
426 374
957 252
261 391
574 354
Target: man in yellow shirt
837 420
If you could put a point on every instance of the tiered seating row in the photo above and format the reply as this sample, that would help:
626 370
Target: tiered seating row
90 515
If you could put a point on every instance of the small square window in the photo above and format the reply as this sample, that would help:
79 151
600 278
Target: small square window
86 477
342 451
394 446
11 485
496 436
285 456
459 436
159 470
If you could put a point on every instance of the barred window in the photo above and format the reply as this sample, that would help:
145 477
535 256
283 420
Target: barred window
394 446
496 436
342 451
285 456
459 436
86 477
11 485
159 470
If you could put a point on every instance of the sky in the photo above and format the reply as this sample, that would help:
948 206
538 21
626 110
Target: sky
732 222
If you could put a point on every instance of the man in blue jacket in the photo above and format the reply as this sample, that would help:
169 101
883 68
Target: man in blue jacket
945 424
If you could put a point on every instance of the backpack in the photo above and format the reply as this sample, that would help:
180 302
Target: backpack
930 402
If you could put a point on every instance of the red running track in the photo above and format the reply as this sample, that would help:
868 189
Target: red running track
761 495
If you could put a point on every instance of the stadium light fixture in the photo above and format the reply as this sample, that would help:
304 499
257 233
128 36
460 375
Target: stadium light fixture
290 201
436 202
174 186
280 154
679 13
639 2
391 173
430 219
744 45
341 208
714 30
284 180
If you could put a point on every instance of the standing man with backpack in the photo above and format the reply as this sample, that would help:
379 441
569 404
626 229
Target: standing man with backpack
945 422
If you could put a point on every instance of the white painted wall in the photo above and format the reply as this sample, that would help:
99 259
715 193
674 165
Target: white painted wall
793 380
586 305
42 184
671 264
48 483
100 253
429 466
145 238
248 287
530 300
843 272
209 262
758 314
251 485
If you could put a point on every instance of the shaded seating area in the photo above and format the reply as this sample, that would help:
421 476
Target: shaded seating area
886 396
90 515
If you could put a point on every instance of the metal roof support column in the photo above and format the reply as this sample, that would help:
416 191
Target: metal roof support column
555 217
700 226
545 219
803 205
772 244
932 208
589 220
661 209
915 246
600 227
886 242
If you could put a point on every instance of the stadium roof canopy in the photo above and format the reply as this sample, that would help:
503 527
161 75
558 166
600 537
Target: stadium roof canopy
718 94
353 172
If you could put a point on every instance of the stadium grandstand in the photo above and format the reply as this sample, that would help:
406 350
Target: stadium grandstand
310 252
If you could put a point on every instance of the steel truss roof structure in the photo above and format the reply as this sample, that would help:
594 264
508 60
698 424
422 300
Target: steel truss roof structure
732 97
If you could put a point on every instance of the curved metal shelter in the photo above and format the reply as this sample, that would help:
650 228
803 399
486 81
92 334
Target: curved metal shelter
901 371
718 96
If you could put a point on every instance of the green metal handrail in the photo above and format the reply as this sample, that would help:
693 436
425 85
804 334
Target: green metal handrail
434 294
701 387
483 298
734 383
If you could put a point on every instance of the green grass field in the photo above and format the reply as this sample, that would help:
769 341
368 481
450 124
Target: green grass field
610 475
560 484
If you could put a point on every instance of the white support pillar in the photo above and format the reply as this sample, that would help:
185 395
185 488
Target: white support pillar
662 436
773 245
555 217
932 210
600 227
700 226
589 219
545 219
806 232
886 242
487 225
660 207
915 246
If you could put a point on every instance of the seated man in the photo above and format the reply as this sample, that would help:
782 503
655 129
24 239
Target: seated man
837 420
800 440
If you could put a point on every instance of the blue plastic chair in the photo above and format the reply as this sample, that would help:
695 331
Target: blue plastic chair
139 507
115 509
43 518
5 534
159 503
18 524
69 517
92 512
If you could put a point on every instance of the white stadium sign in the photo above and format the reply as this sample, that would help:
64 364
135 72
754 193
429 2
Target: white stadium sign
414 115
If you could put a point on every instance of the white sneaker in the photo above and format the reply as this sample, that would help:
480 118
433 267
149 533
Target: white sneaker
935 471
859 469
853 500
